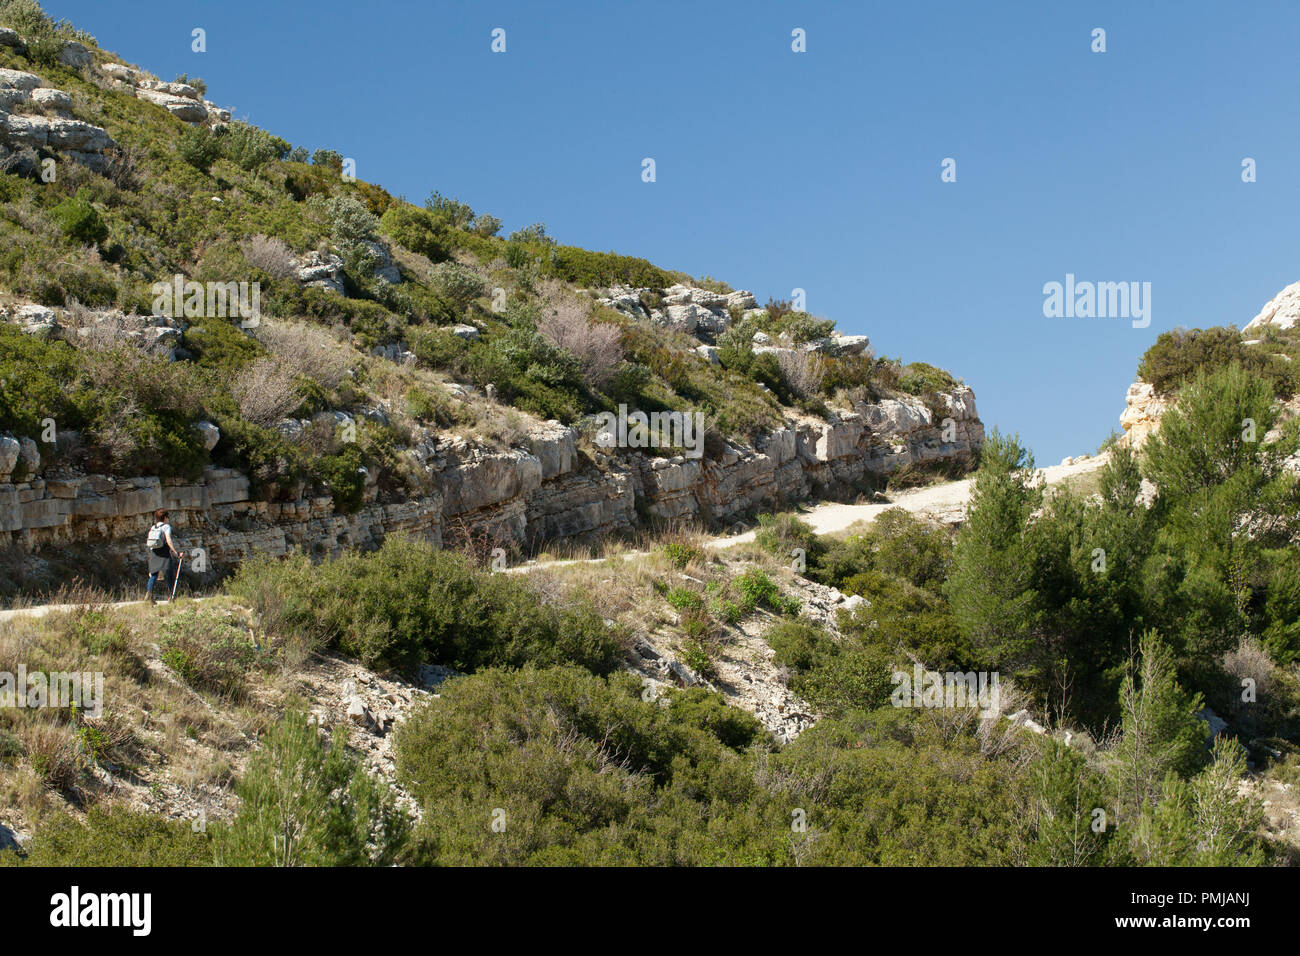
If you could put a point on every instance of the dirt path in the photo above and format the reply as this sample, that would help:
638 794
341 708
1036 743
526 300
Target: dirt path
937 501
41 610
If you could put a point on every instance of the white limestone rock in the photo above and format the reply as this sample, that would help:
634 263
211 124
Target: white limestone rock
1281 312
52 100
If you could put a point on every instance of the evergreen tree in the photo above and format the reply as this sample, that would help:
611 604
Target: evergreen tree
1225 505
1067 811
306 803
1160 732
991 583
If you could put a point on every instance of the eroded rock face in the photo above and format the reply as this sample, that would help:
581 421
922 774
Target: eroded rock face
1141 416
542 492
179 99
686 309
79 141
1281 312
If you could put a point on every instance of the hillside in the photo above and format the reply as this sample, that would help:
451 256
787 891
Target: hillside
460 605
397 367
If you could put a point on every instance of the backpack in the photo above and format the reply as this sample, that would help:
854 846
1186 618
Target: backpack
155 539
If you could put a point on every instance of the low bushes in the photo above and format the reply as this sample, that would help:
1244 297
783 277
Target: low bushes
409 603
1177 356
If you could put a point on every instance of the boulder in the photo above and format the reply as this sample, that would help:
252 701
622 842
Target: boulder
49 99
182 108
73 134
467 332
19 80
183 90
322 271
741 299
11 39
76 55
210 434
120 72
853 344
10 449
29 455
709 353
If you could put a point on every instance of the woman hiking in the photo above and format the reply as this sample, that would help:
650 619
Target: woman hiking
163 553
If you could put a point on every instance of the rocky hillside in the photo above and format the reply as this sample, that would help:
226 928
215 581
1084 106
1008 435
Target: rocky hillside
198 316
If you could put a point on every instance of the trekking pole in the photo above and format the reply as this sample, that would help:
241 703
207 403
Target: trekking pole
179 565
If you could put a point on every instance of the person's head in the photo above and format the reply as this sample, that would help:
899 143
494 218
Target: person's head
160 515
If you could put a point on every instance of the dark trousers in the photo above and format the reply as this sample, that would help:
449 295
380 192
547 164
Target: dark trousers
166 575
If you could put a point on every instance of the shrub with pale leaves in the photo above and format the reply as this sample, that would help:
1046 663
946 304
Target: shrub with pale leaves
265 392
596 345
273 256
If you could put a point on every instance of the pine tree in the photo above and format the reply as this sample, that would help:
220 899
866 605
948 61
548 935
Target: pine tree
1067 811
990 586
1160 732
306 803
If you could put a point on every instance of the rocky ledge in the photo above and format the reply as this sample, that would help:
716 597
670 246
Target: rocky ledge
546 490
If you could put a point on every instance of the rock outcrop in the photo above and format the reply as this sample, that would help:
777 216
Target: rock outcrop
80 141
1141 416
544 491
1281 312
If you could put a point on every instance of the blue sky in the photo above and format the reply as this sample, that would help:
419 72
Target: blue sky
821 170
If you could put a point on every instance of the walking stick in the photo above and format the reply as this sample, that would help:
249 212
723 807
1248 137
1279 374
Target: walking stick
179 564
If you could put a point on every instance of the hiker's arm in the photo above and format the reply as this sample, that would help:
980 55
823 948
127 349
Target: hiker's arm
172 545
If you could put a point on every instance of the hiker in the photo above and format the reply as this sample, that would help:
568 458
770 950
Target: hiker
163 554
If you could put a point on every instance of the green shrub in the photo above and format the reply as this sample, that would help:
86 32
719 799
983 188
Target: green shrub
207 651
1177 356
79 220
408 603
416 229
198 146
439 348
251 148
682 554
116 837
307 803
834 676
920 378
457 284
782 535
453 212
684 599
589 269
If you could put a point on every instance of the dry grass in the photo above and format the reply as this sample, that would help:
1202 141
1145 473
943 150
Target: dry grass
596 345
266 393
311 350
273 256
803 372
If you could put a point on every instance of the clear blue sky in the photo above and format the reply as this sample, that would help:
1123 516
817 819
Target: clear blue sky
821 170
